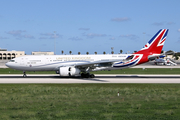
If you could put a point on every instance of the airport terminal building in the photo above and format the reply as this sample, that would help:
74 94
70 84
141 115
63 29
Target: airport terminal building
8 55
42 53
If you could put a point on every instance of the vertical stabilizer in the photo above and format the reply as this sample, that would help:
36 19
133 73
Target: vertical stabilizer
155 44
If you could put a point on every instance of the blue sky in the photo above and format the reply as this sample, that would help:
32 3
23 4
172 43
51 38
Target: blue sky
87 25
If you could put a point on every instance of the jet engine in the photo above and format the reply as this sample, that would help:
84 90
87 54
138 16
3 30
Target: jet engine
69 71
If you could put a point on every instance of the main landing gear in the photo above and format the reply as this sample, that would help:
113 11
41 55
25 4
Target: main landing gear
87 75
24 74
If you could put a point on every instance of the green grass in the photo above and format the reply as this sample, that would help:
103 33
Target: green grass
12 71
89 101
123 71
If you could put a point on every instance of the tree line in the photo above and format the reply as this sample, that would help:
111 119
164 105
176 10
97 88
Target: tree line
70 52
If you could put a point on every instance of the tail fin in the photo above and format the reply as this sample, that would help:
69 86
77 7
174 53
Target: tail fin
155 45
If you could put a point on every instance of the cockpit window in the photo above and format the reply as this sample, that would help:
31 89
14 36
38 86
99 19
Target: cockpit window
12 61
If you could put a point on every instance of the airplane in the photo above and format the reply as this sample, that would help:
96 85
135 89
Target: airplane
167 61
82 65
160 61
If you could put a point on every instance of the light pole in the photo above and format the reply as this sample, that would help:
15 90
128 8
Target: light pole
55 42
144 37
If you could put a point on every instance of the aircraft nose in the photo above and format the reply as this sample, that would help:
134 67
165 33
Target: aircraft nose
7 64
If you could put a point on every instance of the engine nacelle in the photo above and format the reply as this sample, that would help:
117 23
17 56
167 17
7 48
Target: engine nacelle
69 71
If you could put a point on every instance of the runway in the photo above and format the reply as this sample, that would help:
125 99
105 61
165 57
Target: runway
15 79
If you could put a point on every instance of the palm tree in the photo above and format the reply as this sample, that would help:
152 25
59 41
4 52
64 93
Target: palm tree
62 52
176 56
95 53
70 52
121 51
112 52
79 53
135 51
87 53
104 52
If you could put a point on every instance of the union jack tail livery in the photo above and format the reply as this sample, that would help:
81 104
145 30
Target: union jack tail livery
155 44
154 47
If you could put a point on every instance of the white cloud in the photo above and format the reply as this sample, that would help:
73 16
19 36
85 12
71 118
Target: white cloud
163 23
178 30
120 19
28 36
50 36
16 32
19 34
43 38
47 34
158 23
130 36
75 38
3 38
92 35
85 29
170 23
112 38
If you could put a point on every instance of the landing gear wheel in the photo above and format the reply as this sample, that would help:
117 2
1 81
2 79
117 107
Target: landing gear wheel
24 74
92 75
87 75
82 75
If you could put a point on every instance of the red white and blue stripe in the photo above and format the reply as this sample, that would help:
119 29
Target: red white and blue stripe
128 63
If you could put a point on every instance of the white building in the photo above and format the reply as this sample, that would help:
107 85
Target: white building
8 55
42 53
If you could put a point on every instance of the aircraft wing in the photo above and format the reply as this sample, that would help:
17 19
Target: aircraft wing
94 64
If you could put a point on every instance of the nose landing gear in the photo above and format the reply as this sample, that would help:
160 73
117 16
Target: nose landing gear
24 74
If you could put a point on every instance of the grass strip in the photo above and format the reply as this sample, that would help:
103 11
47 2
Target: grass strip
90 101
